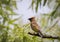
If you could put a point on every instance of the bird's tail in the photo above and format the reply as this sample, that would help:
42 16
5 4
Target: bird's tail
40 33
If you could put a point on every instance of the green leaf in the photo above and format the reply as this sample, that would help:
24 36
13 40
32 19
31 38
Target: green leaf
36 8
45 1
32 4
12 21
53 13
8 8
5 18
14 4
37 4
2 26
6 2
49 1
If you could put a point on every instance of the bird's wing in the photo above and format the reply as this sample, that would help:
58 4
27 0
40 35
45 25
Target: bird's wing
35 27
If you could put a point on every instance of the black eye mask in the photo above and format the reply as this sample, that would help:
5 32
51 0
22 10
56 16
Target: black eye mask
31 18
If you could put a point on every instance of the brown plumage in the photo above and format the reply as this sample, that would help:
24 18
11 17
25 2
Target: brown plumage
35 27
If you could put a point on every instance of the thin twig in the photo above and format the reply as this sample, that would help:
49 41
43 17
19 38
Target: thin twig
44 36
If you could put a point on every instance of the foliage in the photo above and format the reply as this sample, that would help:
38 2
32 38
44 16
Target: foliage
55 13
6 13
10 31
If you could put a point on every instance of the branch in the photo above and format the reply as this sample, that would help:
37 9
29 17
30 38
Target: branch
54 24
43 36
49 28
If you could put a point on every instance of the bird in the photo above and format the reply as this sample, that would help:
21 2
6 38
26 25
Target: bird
34 26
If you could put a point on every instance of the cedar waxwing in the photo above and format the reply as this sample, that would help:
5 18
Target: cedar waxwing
35 27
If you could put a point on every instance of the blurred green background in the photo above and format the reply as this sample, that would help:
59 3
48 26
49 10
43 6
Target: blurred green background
10 31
